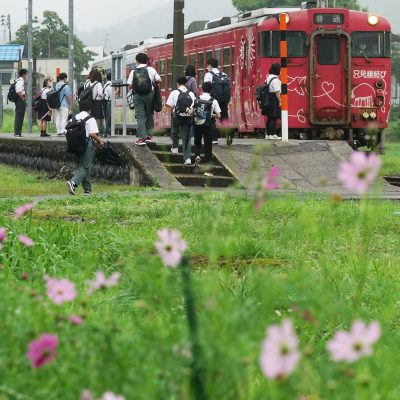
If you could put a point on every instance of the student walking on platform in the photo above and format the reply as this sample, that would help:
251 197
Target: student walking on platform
20 103
142 80
65 99
94 81
191 84
181 102
107 104
44 112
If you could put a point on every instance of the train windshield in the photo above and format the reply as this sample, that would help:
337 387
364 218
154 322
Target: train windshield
270 44
370 44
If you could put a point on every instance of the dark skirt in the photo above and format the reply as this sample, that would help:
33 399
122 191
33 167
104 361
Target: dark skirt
43 110
98 109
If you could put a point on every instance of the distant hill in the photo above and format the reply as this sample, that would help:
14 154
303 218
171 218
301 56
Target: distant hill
155 23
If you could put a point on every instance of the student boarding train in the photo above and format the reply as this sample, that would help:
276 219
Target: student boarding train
339 69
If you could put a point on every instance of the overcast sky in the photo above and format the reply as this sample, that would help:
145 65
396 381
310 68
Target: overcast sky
89 14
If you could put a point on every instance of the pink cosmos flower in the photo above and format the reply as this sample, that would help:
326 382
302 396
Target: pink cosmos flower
101 282
86 395
360 172
280 353
60 290
269 182
3 234
20 211
171 246
42 350
25 240
76 320
112 396
350 346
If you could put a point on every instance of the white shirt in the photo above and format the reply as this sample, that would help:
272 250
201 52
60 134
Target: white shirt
90 124
275 86
44 93
173 97
208 77
20 86
97 89
215 108
107 91
153 74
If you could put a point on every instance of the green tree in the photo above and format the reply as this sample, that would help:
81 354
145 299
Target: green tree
247 5
50 40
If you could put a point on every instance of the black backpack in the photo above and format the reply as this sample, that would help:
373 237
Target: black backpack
183 103
202 111
53 98
141 82
12 93
37 102
87 93
222 88
263 97
76 135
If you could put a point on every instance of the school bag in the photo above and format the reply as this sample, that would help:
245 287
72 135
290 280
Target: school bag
202 111
87 93
222 88
141 82
183 109
263 97
53 98
37 102
12 93
76 135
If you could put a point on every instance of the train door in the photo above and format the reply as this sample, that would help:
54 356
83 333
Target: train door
330 61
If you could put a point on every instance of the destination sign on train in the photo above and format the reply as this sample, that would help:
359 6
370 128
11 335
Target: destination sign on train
328 19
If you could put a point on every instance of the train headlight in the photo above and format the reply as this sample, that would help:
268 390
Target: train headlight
372 115
365 114
373 19
287 18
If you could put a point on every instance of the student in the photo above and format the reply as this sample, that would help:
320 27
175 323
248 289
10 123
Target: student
65 96
141 80
44 112
181 101
20 104
84 161
107 104
94 81
204 129
221 91
273 112
191 84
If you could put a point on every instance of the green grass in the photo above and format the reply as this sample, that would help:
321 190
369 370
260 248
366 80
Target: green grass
391 160
8 124
334 261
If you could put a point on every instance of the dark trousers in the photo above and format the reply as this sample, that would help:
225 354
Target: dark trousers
108 117
206 132
271 126
20 106
84 163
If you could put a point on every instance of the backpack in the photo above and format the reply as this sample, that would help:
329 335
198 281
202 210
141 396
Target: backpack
183 103
76 135
53 98
202 111
141 82
37 102
87 93
12 93
263 97
222 88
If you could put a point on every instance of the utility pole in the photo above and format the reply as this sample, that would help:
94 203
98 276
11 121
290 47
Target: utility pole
30 69
178 41
71 47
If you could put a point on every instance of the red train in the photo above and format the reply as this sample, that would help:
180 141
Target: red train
339 69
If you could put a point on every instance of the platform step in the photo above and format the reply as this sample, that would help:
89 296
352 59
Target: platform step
204 181
179 168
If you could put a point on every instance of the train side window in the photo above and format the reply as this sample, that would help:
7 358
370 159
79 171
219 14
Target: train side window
200 67
162 74
246 60
388 44
369 44
169 68
209 55
328 50
192 59
218 56
227 60
233 61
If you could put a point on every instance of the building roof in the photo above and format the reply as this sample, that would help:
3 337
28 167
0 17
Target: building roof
11 52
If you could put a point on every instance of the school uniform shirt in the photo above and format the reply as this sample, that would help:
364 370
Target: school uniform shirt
64 93
173 97
275 85
215 108
90 125
97 89
107 91
44 93
208 77
153 74
20 86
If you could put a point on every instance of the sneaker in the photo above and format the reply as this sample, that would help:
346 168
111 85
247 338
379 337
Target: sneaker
188 161
60 134
149 139
208 174
174 150
17 135
274 137
87 192
140 142
71 187
215 142
267 137
197 160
